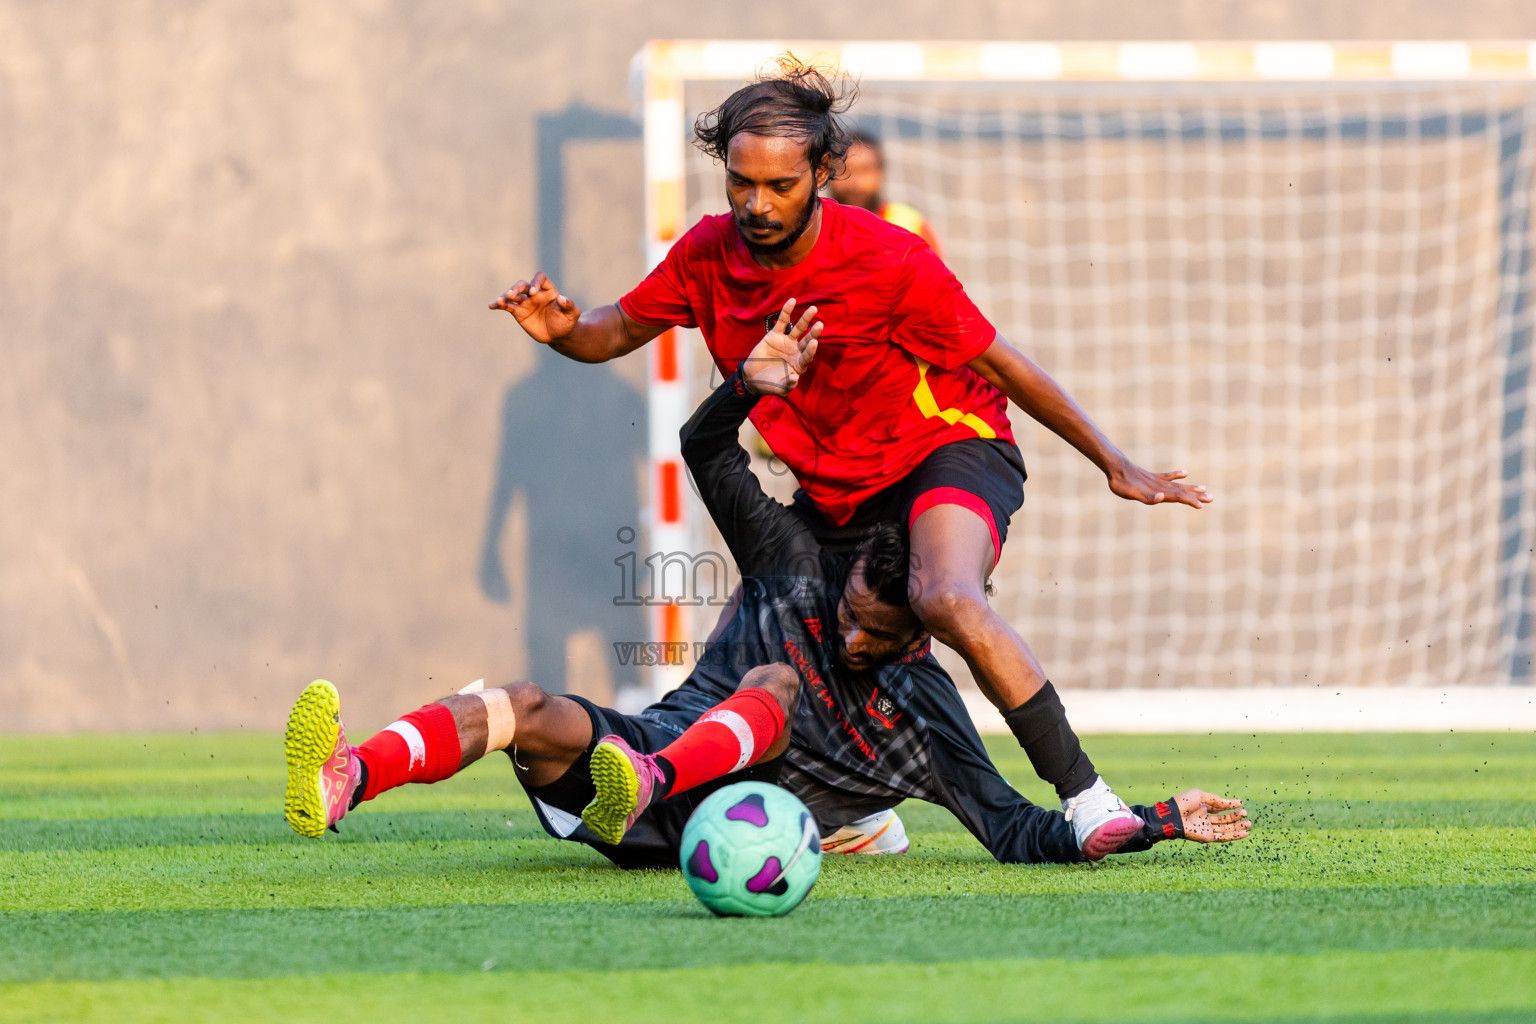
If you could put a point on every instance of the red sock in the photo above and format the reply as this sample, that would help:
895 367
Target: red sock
729 736
423 746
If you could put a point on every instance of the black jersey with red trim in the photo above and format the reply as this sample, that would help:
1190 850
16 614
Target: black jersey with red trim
851 728
860 741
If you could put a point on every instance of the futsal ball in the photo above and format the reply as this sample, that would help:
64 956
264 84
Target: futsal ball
751 850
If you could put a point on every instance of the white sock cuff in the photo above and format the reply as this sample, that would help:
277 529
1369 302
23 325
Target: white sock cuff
413 740
738 725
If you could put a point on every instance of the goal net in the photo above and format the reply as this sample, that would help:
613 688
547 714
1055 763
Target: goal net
1301 273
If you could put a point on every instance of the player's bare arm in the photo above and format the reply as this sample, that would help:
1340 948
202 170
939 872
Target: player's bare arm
1033 390
553 319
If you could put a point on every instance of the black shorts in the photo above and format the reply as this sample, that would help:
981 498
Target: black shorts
657 835
986 476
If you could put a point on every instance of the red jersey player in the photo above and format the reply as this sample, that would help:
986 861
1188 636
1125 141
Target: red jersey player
903 414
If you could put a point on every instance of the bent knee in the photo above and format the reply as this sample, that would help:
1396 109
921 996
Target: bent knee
549 730
528 699
777 678
950 608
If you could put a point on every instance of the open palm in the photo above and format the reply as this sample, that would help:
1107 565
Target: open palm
540 309
785 353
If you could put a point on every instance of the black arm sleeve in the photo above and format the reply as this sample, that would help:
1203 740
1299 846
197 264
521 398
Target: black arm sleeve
1012 829
764 536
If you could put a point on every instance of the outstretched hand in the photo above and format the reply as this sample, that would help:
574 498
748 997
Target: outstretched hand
540 308
1209 818
1137 484
785 353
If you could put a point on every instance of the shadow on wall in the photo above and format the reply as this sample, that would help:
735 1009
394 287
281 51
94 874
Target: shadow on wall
571 435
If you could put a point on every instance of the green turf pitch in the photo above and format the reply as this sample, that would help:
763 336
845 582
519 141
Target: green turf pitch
1390 878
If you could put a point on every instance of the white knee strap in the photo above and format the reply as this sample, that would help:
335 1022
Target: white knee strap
500 719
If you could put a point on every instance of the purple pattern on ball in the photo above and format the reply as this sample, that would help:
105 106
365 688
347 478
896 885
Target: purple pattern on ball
764 879
699 864
751 810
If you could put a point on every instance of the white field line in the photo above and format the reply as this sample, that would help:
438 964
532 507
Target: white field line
1287 709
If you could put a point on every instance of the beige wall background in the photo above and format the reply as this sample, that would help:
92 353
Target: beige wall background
251 401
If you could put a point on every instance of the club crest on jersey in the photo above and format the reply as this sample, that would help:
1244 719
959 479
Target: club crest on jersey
882 709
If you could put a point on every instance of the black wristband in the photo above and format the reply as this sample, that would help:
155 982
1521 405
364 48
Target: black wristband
1163 821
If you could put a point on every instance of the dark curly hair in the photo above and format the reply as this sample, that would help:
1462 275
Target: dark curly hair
796 100
885 553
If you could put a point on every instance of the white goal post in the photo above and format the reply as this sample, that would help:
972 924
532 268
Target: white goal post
1302 271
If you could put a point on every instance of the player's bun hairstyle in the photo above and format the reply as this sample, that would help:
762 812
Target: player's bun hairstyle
885 554
796 100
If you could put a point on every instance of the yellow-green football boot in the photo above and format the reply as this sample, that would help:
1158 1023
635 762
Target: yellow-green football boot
323 770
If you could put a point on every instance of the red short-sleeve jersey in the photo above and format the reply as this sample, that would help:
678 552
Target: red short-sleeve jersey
889 383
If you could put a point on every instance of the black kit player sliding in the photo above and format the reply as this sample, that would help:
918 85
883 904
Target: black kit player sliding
847 708
862 736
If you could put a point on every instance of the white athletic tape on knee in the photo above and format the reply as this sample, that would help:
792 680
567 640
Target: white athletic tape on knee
413 741
738 725
500 719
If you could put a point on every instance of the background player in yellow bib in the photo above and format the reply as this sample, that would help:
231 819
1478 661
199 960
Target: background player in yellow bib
862 184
